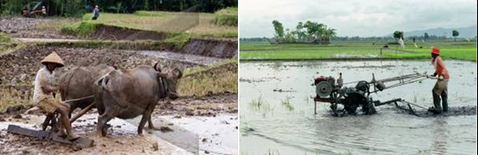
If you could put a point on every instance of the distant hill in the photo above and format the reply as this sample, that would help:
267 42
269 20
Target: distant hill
465 32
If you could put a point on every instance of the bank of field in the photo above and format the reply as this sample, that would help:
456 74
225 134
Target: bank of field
217 78
196 25
461 50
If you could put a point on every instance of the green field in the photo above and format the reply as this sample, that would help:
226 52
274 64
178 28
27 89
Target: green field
161 21
462 50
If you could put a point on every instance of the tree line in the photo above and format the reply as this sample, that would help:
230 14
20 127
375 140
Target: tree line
79 7
308 32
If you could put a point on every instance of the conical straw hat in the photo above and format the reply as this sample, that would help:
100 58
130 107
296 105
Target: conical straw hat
53 58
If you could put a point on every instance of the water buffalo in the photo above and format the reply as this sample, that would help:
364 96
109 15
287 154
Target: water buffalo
128 93
80 84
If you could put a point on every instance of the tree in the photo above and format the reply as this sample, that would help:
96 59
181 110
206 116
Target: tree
426 36
300 33
455 33
398 35
329 33
279 29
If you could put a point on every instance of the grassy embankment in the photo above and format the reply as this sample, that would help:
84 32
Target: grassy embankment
461 50
159 21
216 78
222 24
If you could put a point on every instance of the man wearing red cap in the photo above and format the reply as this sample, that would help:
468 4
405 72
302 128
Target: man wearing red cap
441 87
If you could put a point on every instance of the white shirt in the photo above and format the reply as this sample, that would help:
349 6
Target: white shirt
43 78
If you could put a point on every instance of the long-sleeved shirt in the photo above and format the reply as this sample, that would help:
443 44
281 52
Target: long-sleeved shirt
440 68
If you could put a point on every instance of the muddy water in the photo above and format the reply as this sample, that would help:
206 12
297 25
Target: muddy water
190 58
283 122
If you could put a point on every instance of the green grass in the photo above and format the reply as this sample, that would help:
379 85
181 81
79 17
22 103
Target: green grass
226 17
5 38
82 29
125 45
350 50
215 78
7 44
159 21
15 95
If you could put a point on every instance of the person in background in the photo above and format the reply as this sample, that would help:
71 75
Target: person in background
96 12
441 87
43 11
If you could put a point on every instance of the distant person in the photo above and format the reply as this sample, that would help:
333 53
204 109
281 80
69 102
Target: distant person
441 86
96 12
43 11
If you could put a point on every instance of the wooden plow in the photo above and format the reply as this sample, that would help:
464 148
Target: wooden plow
51 120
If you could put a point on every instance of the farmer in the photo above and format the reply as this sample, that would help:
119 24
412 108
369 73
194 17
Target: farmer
96 12
43 11
441 86
43 97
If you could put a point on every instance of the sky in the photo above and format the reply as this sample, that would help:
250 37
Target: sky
363 18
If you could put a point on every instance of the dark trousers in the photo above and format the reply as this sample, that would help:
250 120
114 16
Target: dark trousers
440 94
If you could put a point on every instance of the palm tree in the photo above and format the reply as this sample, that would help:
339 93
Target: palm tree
329 33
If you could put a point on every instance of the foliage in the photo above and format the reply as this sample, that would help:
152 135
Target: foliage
455 33
279 29
398 35
79 7
308 32
227 17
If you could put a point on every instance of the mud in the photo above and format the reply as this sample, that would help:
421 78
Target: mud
452 111
17 74
120 33
21 66
21 27
220 48
188 119
284 122
123 140
181 57
199 106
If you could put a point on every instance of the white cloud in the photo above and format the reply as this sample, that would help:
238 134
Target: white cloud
356 17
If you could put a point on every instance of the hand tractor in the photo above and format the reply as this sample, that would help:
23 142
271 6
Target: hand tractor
350 98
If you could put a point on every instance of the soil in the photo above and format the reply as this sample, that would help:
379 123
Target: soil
452 111
120 33
123 141
22 65
212 47
210 105
21 27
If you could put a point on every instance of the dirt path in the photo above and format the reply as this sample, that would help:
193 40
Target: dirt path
37 40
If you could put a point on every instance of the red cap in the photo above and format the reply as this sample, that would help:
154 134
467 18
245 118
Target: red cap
435 50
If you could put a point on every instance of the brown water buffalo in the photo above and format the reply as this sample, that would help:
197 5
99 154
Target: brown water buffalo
128 93
80 84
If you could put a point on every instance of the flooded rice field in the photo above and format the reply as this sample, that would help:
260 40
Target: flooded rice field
277 110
